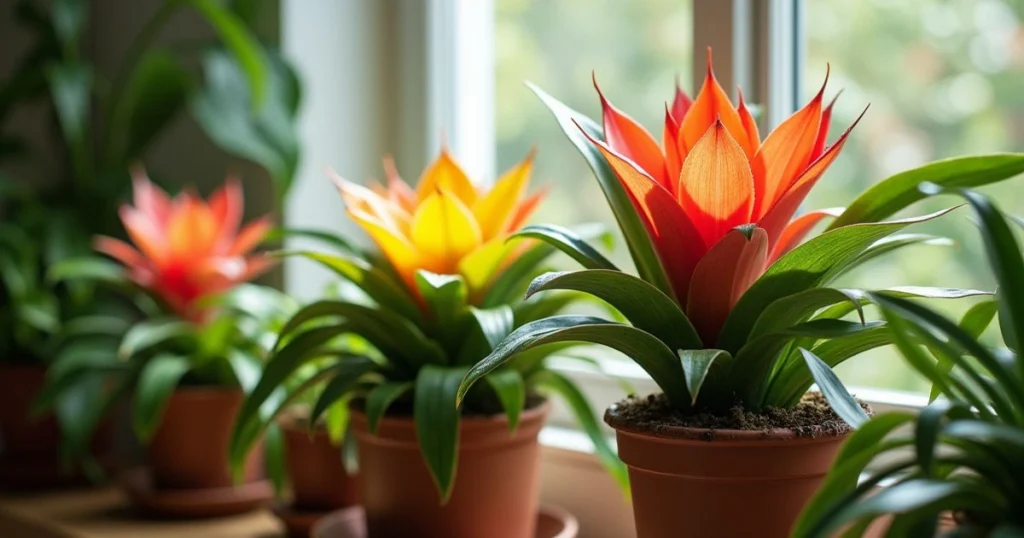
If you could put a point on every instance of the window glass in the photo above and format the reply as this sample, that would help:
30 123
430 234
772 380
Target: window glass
635 49
943 78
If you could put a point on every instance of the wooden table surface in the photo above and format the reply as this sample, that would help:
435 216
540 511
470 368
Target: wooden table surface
103 513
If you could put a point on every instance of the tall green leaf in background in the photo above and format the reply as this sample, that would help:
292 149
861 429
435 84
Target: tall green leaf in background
267 134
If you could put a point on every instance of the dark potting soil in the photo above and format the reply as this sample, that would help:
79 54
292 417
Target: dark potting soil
812 417
480 408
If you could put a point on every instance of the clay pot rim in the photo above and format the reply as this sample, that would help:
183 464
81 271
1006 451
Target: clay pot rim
470 422
206 391
716 435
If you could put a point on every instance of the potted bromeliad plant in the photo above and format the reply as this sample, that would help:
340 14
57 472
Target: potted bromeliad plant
441 291
962 455
95 129
198 346
724 297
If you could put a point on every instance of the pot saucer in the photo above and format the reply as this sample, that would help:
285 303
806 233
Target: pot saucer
193 503
298 523
350 523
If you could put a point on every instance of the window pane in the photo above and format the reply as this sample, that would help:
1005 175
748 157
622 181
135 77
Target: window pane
944 78
635 49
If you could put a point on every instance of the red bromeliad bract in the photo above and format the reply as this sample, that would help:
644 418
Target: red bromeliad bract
187 249
716 200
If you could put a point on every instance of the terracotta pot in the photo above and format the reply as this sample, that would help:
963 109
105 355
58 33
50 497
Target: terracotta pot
190 447
315 470
740 483
22 438
496 484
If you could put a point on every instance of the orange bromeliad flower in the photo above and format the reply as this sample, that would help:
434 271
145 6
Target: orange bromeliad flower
187 249
717 200
447 225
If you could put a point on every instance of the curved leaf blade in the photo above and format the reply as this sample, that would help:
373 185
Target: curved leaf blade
644 305
838 397
510 389
891 195
380 399
696 365
157 381
437 423
568 242
633 230
808 266
646 350
349 369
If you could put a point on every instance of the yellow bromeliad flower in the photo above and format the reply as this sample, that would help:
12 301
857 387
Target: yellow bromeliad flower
448 225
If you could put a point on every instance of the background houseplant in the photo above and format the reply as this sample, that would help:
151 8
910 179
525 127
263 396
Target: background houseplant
240 92
441 293
962 454
723 300
199 345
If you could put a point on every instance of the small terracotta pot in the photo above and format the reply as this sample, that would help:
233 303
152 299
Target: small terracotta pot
21 437
496 485
190 447
739 483
315 469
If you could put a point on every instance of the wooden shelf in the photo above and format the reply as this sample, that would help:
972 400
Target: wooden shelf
104 513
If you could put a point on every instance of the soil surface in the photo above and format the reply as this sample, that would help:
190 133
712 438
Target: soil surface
812 417
478 408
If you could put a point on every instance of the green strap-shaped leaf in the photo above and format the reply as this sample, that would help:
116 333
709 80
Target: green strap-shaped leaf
568 242
798 307
335 241
242 43
246 433
274 457
574 124
280 366
646 350
395 336
349 369
751 369
147 335
805 267
645 306
1005 260
696 365
509 387
974 322
446 297
793 379
437 423
489 326
380 399
930 422
157 382
890 244
853 457
1008 390
375 282
511 282
903 332
158 91
584 415
91 268
838 397
890 196
246 367
921 494
337 418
